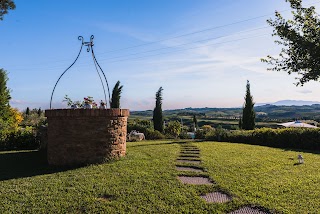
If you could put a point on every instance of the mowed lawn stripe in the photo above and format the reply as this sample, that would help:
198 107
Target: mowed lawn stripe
264 176
143 182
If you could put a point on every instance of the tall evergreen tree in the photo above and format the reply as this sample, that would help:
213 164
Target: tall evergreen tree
39 112
116 94
4 95
240 123
195 121
27 111
248 114
157 112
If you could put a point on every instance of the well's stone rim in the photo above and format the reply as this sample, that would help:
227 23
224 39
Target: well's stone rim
114 112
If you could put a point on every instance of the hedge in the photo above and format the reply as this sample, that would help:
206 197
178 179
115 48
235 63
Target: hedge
22 139
293 138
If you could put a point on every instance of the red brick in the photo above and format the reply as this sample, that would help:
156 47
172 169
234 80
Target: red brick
84 136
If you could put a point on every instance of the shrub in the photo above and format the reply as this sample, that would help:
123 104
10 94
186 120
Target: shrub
173 129
294 138
19 139
151 134
184 135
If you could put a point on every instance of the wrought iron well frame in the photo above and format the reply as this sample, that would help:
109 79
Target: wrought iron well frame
96 64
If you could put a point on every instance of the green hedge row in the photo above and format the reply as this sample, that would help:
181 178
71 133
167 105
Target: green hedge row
149 133
293 138
22 139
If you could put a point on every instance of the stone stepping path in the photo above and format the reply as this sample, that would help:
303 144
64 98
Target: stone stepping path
188 152
199 180
191 155
189 161
248 210
216 197
191 169
189 158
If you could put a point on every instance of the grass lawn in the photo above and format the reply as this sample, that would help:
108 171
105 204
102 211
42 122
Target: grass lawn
145 181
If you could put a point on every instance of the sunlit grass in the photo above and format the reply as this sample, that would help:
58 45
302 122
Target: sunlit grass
265 176
145 181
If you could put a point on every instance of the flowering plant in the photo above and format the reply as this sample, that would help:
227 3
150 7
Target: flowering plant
88 100
77 104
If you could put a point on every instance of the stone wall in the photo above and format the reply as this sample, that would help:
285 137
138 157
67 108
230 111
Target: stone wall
84 136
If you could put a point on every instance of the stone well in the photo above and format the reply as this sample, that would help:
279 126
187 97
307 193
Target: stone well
84 136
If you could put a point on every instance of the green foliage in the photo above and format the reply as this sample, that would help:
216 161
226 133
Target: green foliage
9 117
184 135
116 94
39 112
6 5
151 134
195 121
248 114
240 123
300 43
21 139
145 127
27 112
293 138
4 95
157 112
204 132
173 128
33 119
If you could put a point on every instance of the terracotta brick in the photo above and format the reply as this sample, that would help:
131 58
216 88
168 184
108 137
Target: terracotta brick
84 136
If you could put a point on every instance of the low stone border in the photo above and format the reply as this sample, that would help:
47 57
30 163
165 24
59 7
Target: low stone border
216 197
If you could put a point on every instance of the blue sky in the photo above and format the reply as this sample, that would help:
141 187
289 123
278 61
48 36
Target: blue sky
141 43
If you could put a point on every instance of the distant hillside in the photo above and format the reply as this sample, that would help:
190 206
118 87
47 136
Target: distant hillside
264 112
294 103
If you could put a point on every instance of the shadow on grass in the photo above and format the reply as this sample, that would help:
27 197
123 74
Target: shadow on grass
158 144
167 143
22 164
302 150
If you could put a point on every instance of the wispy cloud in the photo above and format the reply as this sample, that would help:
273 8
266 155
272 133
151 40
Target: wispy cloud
306 91
125 30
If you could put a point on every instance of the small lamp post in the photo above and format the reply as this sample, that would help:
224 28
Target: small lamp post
300 159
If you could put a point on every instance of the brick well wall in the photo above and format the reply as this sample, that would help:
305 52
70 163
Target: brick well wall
84 136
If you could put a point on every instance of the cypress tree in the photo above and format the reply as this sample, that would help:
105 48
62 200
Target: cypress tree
157 112
195 121
240 123
116 94
248 114
27 111
39 112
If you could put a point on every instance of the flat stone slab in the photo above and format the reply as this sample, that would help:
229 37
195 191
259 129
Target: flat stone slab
199 180
190 152
189 156
186 168
189 161
216 197
248 210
